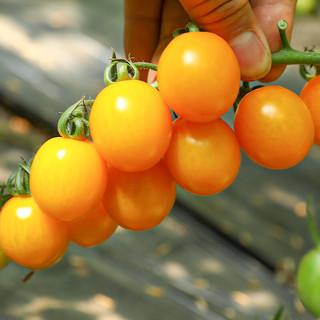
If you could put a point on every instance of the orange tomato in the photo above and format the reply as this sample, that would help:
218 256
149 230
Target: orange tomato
274 127
203 158
140 200
310 94
93 229
130 125
30 237
198 76
68 178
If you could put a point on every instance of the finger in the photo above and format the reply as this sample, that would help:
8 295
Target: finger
141 29
234 21
268 13
173 17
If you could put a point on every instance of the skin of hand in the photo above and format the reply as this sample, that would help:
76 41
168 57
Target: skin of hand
250 28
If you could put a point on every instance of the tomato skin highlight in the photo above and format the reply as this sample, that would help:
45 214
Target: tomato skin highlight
310 94
198 76
93 229
203 158
139 201
130 125
30 237
68 178
274 127
308 281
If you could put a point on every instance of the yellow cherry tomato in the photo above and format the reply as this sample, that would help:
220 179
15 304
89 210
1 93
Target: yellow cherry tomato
203 158
30 237
130 125
93 229
140 200
68 178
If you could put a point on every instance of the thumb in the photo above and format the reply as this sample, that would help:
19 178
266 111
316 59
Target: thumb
234 21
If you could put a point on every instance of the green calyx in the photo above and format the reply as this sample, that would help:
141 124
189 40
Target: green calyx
18 183
190 27
127 70
74 122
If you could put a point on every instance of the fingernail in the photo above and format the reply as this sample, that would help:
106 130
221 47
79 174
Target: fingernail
253 55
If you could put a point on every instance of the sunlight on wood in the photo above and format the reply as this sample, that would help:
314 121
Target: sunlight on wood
201 304
154 291
300 209
175 270
163 249
201 283
105 301
230 313
14 85
211 265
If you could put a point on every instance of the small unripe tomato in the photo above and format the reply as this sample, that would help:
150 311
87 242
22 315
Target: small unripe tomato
140 200
308 281
203 158
93 229
30 237
130 125
198 76
68 178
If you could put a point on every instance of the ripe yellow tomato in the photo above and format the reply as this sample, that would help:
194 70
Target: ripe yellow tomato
140 200
203 158
93 229
274 127
198 76
130 125
68 178
30 237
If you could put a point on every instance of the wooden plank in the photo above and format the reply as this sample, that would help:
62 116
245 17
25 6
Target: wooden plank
179 270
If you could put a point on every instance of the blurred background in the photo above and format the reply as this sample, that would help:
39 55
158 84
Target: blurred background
230 256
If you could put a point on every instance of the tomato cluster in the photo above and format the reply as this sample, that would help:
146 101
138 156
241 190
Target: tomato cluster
126 174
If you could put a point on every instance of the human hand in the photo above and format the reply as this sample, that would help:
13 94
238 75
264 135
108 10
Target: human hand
250 28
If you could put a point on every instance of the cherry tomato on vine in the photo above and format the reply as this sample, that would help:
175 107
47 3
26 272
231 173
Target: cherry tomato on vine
30 237
93 229
140 200
274 127
4 259
198 76
130 125
203 158
310 94
308 281
68 178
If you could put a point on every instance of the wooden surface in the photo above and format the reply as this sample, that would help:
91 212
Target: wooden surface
230 256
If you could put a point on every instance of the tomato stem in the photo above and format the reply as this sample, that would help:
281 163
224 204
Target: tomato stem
190 27
287 55
74 122
312 222
18 183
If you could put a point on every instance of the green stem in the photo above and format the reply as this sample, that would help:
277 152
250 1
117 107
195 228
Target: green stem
192 27
146 65
74 122
288 55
